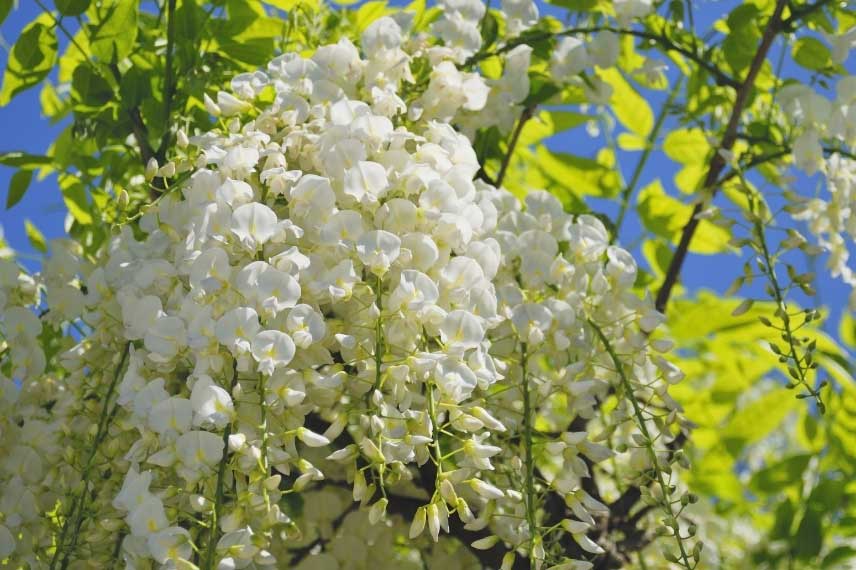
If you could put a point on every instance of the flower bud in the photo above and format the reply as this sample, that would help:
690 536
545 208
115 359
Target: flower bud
210 106
378 511
485 543
418 524
151 168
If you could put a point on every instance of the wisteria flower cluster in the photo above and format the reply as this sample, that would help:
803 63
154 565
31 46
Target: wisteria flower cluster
831 216
332 336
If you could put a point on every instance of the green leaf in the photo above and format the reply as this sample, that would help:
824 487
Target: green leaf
837 556
187 21
486 144
134 87
489 29
368 13
827 495
31 58
578 175
847 330
691 148
630 108
35 236
811 53
577 5
74 196
687 146
23 160
255 51
5 8
629 141
71 7
289 5
666 216
809 538
784 519
112 38
54 107
781 474
18 186
548 123
754 421
541 90
742 41
91 89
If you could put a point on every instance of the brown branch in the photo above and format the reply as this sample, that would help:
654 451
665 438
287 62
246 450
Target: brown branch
718 161
141 133
521 122
490 558
406 506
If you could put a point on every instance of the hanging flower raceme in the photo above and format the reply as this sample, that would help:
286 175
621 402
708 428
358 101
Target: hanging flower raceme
332 309
831 214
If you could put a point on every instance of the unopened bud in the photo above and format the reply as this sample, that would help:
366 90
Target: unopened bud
122 199
151 168
211 106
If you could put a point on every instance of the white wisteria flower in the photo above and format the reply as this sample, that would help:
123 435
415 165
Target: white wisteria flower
334 307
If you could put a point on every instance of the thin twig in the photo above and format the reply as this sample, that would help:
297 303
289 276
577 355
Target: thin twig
801 12
627 193
78 505
643 428
704 62
506 160
530 460
63 29
218 491
801 364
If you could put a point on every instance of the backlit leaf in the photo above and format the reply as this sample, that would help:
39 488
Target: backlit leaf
30 59
113 37
37 240
666 216
630 108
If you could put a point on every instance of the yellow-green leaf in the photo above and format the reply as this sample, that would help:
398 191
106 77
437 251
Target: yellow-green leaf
289 5
691 148
847 330
630 141
548 123
630 108
578 175
368 13
30 59
113 37
35 236
811 53
74 196
757 419
666 216
687 146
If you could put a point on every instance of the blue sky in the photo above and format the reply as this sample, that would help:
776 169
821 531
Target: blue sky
25 129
